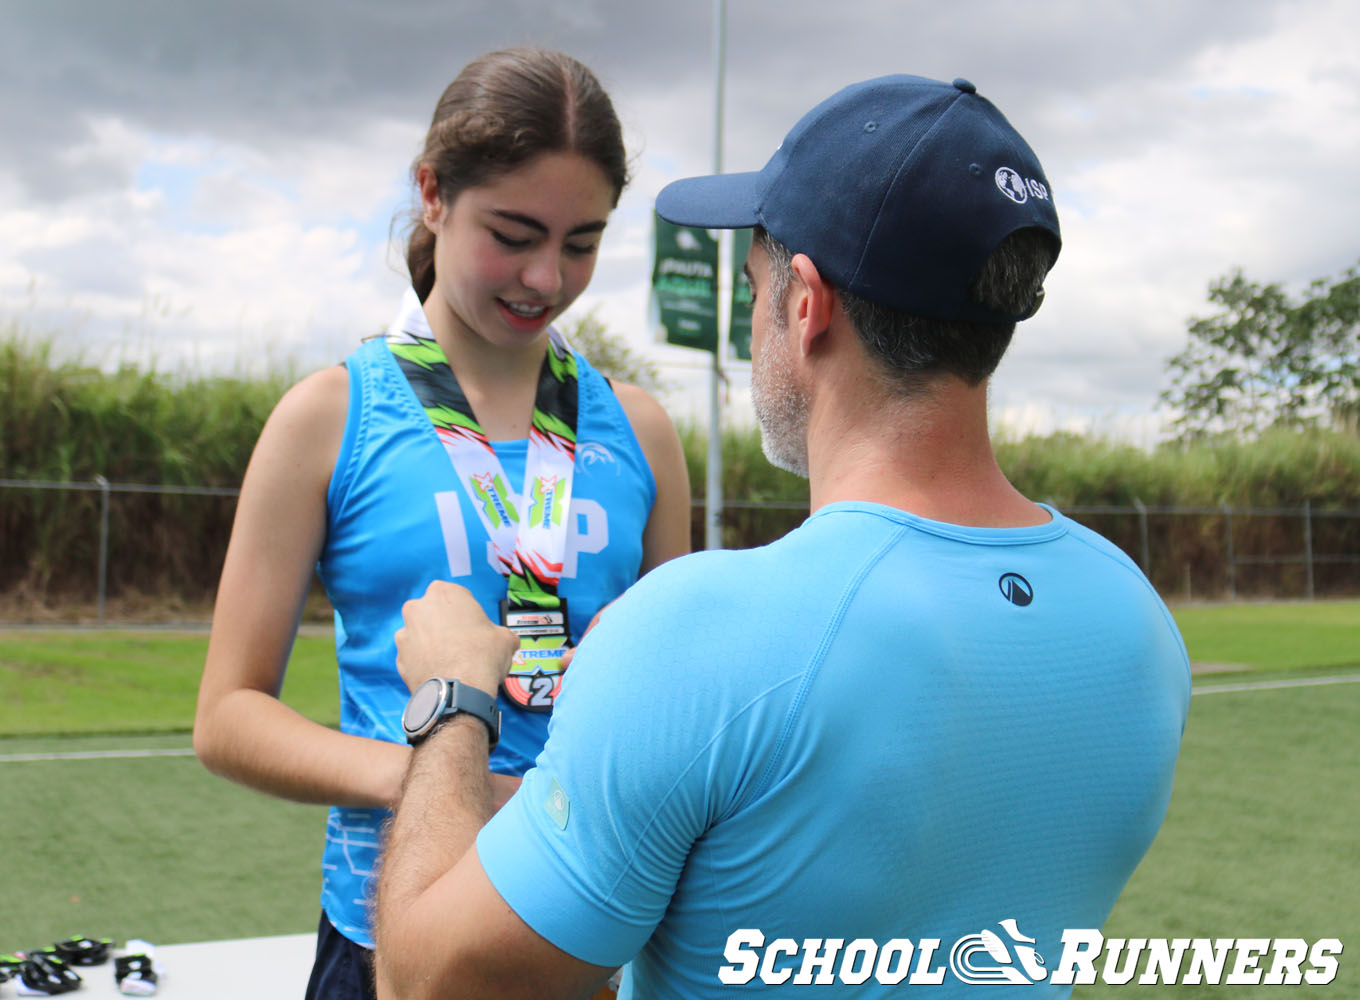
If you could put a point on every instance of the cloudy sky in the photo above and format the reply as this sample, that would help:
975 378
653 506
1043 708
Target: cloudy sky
212 187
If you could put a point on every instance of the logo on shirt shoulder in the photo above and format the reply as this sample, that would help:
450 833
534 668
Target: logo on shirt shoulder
558 805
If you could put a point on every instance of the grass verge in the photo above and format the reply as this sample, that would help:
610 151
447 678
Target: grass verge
1287 635
82 681
150 847
1259 841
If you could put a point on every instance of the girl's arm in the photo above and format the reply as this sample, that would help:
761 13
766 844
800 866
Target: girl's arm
242 731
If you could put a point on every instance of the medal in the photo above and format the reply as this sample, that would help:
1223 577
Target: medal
528 533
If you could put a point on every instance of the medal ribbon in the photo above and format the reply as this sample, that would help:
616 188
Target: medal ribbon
528 532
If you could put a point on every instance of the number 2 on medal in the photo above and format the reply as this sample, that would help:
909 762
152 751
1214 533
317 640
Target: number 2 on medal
540 691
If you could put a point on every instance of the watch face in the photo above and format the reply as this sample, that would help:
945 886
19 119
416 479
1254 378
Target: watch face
425 702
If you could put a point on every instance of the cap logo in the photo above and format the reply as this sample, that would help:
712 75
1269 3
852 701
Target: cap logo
1017 189
1012 185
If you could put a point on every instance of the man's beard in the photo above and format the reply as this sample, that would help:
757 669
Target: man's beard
780 403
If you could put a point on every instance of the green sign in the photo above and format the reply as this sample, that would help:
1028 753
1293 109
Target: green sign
739 329
685 285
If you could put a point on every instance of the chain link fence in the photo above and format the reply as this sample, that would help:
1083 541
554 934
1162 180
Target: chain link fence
88 541
93 540
1188 552
1299 552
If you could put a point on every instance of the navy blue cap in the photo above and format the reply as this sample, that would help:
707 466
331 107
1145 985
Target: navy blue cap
897 188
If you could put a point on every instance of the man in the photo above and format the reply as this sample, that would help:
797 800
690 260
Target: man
934 710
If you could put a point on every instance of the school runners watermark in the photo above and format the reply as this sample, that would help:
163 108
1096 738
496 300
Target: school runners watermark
1011 957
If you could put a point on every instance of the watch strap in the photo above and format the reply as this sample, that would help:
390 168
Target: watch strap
464 699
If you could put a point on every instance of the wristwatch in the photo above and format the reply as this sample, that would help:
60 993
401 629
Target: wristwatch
438 699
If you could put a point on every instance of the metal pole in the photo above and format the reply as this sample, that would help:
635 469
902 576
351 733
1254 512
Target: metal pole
103 542
1232 556
1143 535
714 481
719 76
1308 544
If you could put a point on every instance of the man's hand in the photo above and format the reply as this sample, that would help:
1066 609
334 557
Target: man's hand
446 634
570 654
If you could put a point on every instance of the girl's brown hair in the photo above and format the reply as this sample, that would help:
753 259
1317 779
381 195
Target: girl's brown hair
502 110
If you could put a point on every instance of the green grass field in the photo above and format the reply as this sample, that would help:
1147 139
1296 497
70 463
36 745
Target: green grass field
1260 841
150 847
1261 837
1279 636
91 681
155 846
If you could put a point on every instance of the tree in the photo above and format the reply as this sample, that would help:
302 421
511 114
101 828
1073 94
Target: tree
1267 360
610 356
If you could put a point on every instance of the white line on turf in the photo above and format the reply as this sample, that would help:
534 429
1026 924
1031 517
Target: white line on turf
17 758
1274 685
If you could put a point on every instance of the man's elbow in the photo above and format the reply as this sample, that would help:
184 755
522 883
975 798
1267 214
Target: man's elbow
398 973
383 985
387 983
401 977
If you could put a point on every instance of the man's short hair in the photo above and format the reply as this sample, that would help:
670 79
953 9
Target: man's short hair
912 351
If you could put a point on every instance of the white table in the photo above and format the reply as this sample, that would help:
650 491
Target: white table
270 968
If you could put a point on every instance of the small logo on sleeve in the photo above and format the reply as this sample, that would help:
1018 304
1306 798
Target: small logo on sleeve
558 805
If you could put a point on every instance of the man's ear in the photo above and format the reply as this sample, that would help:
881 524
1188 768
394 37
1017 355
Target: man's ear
431 205
814 300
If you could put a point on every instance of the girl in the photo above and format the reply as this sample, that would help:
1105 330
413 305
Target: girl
469 444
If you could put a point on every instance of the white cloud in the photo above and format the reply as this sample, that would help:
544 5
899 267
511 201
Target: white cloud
216 191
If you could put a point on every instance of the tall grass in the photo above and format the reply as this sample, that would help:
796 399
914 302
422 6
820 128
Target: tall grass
66 421
1266 482
1272 477
1281 468
69 422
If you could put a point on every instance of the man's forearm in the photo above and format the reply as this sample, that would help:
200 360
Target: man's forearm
445 801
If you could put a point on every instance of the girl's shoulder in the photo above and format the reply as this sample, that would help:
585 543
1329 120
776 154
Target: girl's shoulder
308 423
319 401
668 524
647 417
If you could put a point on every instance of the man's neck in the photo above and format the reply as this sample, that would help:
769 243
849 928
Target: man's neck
930 455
